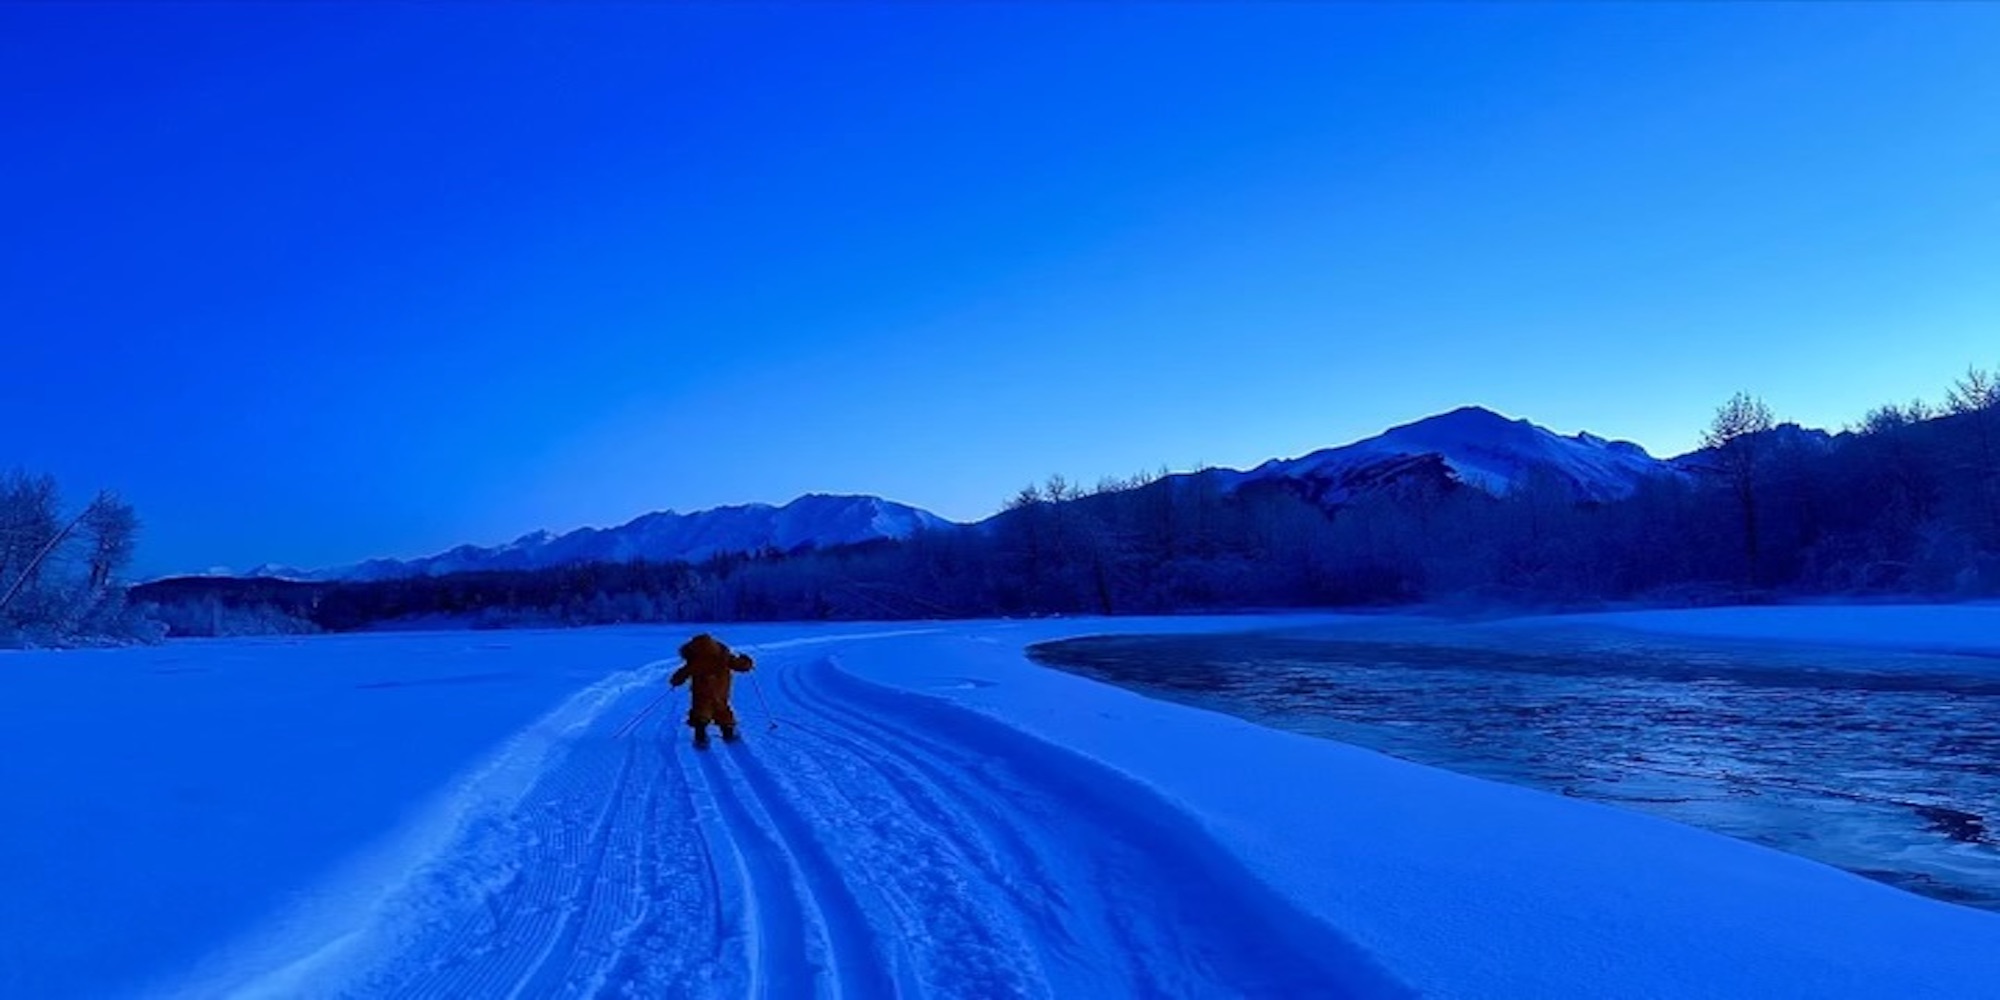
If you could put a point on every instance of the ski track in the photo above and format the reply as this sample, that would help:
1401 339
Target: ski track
876 843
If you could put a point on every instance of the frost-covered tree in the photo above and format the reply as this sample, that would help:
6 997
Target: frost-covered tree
56 570
1977 391
1975 400
30 518
1737 436
1892 417
110 528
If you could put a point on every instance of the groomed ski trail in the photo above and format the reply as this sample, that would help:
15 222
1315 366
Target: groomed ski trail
878 843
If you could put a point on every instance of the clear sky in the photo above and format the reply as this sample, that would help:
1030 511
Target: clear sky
312 283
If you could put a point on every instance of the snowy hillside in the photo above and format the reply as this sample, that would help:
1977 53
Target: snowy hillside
1480 448
815 520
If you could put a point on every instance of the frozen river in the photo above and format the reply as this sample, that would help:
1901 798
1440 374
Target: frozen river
1883 763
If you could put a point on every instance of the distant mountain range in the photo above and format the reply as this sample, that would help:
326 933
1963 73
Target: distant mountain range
1470 446
812 521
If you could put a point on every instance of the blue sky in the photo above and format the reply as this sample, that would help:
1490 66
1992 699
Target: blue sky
320 282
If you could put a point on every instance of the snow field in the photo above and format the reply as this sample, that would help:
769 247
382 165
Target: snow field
934 815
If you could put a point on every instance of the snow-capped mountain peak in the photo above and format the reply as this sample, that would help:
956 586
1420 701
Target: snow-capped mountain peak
1471 445
811 521
1485 450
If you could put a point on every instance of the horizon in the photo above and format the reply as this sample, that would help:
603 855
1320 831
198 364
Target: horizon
375 282
998 506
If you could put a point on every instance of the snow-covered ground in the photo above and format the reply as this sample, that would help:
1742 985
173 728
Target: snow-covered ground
450 815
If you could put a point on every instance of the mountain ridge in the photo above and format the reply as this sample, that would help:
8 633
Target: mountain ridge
1471 445
809 521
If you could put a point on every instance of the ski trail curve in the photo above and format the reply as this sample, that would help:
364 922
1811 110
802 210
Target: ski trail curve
877 843
1115 891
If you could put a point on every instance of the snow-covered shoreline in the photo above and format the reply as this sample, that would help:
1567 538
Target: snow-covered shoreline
1463 887
194 760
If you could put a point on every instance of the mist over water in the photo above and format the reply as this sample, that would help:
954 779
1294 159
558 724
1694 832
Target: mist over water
1883 763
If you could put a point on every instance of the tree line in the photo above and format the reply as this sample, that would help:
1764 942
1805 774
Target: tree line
1906 502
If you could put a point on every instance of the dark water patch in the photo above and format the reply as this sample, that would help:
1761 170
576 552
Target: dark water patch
1964 827
1887 764
1201 662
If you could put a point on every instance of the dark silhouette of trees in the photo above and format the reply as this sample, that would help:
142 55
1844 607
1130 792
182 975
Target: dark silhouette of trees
1906 502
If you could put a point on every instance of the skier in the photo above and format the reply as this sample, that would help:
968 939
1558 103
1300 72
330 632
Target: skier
709 665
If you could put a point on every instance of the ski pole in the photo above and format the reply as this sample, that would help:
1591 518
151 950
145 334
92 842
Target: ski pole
641 717
759 685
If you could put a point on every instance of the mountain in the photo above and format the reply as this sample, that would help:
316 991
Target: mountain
812 521
267 571
1472 446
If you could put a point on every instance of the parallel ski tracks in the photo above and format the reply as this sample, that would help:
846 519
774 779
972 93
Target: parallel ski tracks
872 846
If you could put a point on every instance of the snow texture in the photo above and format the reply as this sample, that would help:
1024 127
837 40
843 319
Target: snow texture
449 815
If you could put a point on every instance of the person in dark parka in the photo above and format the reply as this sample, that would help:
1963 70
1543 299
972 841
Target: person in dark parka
710 666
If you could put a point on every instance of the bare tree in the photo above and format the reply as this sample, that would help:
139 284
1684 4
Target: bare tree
1024 537
1977 392
32 532
29 516
1737 436
1976 399
111 528
1888 418
1029 496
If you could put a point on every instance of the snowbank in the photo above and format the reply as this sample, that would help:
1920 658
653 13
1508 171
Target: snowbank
1462 887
